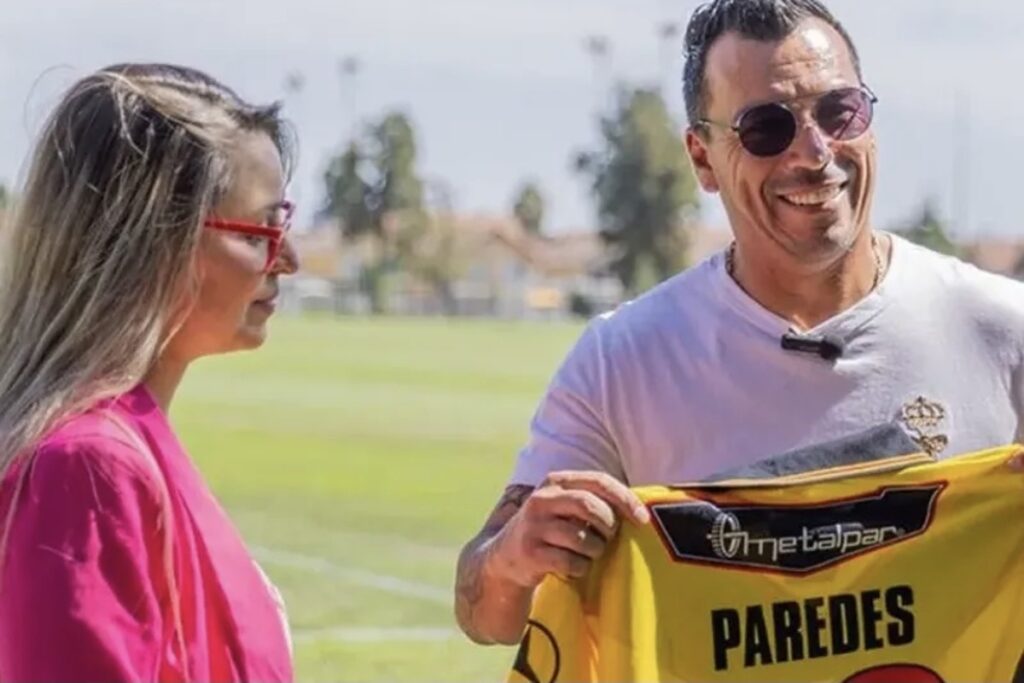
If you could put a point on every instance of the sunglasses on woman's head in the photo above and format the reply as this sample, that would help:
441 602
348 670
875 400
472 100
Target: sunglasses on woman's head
767 130
268 236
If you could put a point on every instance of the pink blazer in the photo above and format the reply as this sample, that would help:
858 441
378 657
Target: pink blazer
109 519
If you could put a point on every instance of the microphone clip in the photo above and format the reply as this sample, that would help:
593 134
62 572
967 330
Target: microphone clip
826 347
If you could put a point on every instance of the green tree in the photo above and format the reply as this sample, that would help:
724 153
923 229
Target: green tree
348 192
398 187
529 208
429 247
644 188
6 199
928 230
375 191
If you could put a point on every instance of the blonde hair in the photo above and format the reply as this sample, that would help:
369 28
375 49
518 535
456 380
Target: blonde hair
101 247
103 238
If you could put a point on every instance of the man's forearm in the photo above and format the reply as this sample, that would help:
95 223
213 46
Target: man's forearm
489 609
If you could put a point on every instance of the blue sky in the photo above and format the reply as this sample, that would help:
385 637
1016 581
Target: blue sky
503 90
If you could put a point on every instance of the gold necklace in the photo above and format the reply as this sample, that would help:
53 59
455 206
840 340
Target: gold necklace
730 262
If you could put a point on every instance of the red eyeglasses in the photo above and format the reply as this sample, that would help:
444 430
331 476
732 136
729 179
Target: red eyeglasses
268 237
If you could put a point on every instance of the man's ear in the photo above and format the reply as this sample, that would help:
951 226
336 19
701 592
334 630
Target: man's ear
697 146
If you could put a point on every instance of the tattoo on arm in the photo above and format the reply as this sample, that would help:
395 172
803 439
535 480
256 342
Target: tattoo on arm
471 561
507 507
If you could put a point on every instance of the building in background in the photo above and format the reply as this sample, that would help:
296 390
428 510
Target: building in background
515 274
509 273
999 255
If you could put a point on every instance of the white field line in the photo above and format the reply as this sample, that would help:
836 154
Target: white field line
359 577
370 634
389 543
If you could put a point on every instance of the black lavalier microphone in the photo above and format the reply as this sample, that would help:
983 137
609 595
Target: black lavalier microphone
826 346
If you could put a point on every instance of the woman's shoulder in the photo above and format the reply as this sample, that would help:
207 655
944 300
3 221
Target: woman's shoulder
97 448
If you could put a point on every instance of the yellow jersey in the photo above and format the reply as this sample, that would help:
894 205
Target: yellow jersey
904 569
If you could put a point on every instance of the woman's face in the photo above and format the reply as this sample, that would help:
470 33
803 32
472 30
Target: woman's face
237 292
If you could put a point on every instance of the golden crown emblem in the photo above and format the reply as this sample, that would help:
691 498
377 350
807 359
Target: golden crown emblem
922 414
922 417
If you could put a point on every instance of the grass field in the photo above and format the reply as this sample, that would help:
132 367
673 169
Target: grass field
356 456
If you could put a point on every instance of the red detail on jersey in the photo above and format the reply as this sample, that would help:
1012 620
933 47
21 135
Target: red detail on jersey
895 673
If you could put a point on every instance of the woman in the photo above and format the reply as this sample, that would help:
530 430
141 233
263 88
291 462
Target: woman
150 232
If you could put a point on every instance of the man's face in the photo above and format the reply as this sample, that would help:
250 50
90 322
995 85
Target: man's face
812 200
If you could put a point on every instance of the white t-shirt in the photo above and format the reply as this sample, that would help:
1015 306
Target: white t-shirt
690 379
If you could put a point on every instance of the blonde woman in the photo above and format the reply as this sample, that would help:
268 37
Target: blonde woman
151 231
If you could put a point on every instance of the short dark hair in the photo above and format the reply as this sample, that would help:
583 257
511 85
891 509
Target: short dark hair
767 20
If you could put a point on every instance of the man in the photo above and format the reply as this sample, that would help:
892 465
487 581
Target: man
810 328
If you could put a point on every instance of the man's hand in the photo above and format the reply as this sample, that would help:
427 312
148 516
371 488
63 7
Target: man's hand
562 527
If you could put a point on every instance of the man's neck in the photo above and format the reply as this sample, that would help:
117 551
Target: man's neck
808 298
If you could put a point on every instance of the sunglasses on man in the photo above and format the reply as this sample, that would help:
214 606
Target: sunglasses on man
767 130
